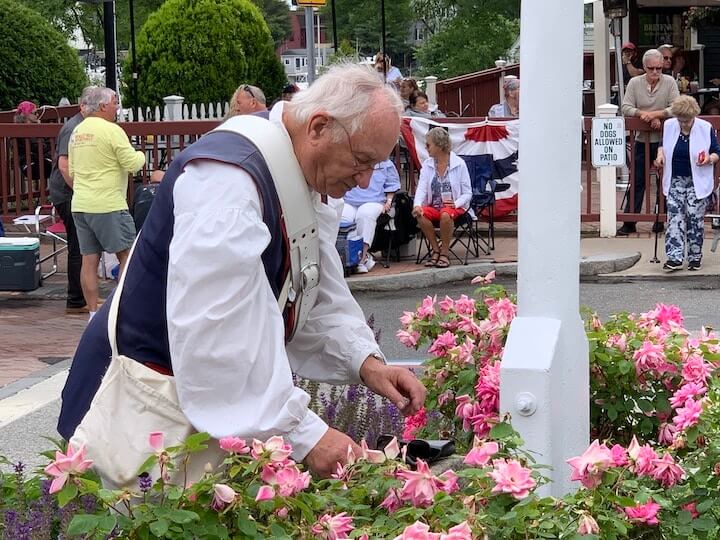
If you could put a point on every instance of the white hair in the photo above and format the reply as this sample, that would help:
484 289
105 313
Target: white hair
96 97
86 93
346 92
651 53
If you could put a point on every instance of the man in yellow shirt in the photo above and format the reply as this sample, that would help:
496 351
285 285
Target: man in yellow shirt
100 158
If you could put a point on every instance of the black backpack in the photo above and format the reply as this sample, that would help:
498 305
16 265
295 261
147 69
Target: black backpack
144 197
399 229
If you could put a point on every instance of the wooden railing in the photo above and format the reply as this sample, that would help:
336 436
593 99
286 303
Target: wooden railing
22 188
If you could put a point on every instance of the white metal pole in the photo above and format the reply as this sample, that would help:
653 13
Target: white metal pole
310 43
544 376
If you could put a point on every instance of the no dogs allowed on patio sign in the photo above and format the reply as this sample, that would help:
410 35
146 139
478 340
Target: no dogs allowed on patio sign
608 142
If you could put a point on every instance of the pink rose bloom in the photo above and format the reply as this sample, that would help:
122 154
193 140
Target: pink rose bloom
618 341
407 318
696 369
445 397
502 311
649 357
418 531
619 456
461 531
685 392
413 423
595 322
689 415
265 493
484 280
666 316
645 461
274 448
466 351
465 305
588 525
487 389
643 513
667 472
480 455
333 527
234 445
482 422
468 325
420 485
409 339
157 441
692 508
71 462
392 501
448 482
464 409
590 466
291 481
446 305
442 344
427 308
666 433
223 496
511 477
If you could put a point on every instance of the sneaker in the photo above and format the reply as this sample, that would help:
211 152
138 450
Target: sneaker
370 262
658 227
626 229
361 269
672 266
694 265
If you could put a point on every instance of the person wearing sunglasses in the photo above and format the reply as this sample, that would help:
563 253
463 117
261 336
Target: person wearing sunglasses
647 97
247 99
667 58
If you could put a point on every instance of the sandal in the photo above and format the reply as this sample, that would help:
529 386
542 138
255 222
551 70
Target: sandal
433 260
442 262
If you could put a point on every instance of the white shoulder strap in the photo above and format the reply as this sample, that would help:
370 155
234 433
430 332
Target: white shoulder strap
297 210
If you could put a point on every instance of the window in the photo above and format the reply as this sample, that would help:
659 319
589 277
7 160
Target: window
297 63
287 61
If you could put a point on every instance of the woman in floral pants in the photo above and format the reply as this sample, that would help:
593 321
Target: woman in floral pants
688 152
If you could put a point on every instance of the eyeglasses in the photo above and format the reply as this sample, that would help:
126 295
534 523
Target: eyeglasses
359 165
667 57
654 68
246 88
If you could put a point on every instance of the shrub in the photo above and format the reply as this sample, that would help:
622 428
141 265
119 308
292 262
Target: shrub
203 50
36 63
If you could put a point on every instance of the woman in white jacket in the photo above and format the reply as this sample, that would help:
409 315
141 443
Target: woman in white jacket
443 194
688 152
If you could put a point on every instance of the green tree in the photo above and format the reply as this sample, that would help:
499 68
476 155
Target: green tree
202 50
359 22
277 17
70 15
36 62
471 39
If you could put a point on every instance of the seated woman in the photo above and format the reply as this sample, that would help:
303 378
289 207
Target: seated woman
407 87
510 108
364 206
443 194
420 106
688 154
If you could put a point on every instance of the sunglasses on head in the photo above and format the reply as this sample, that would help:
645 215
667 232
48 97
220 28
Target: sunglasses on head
246 88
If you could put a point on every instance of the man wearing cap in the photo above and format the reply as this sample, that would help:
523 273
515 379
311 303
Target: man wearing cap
631 66
247 99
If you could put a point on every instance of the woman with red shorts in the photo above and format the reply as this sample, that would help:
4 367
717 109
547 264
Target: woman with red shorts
443 194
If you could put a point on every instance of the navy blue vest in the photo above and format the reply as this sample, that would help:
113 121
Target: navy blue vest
142 318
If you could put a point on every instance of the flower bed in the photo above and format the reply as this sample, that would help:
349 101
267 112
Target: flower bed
652 470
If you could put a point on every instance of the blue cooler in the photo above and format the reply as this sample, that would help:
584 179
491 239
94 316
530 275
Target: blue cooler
19 264
349 245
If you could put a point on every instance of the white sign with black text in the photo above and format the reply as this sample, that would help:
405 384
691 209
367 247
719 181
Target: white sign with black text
608 142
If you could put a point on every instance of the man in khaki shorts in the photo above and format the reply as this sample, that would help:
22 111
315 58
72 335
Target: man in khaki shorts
100 158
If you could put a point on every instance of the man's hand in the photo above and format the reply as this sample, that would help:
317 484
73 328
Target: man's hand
656 124
397 384
417 211
330 450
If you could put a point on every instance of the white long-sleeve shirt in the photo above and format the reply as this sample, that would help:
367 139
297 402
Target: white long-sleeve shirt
232 369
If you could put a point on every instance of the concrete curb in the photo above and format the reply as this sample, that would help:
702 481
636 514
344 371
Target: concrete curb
589 267
31 380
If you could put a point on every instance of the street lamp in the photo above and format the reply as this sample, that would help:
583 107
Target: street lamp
616 11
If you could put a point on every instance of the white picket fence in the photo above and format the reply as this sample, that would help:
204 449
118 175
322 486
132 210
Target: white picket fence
175 109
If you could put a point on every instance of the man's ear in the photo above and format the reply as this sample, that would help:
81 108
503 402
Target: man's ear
319 126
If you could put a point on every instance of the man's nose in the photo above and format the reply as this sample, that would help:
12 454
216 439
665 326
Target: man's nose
363 178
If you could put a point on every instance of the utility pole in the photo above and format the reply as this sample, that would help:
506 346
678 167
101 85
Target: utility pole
110 45
310 44
136 103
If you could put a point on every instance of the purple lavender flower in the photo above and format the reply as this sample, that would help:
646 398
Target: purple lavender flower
145 482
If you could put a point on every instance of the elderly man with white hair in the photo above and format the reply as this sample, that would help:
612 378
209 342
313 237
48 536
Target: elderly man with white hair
200 301
647 97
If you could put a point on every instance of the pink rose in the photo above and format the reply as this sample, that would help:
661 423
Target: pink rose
265 493
157 441
427 308
588 525
446 305
692 508
418 531
333 527
409 339
223 496
667 472
689 415
590 466
511 477
234 445
72 462
643 513
461 531
480 454
484 280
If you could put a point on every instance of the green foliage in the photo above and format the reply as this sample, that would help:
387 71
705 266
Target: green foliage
277 17
471 41
69 15
359 22
203 50
35 61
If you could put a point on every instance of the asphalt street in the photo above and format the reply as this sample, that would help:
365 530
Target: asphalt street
699 299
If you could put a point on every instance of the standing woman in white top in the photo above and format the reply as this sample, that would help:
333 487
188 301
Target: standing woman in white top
688 152
443 194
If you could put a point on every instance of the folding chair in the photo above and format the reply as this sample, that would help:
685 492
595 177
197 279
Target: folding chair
47 226
464 234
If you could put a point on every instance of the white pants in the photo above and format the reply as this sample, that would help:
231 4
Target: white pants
365 217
